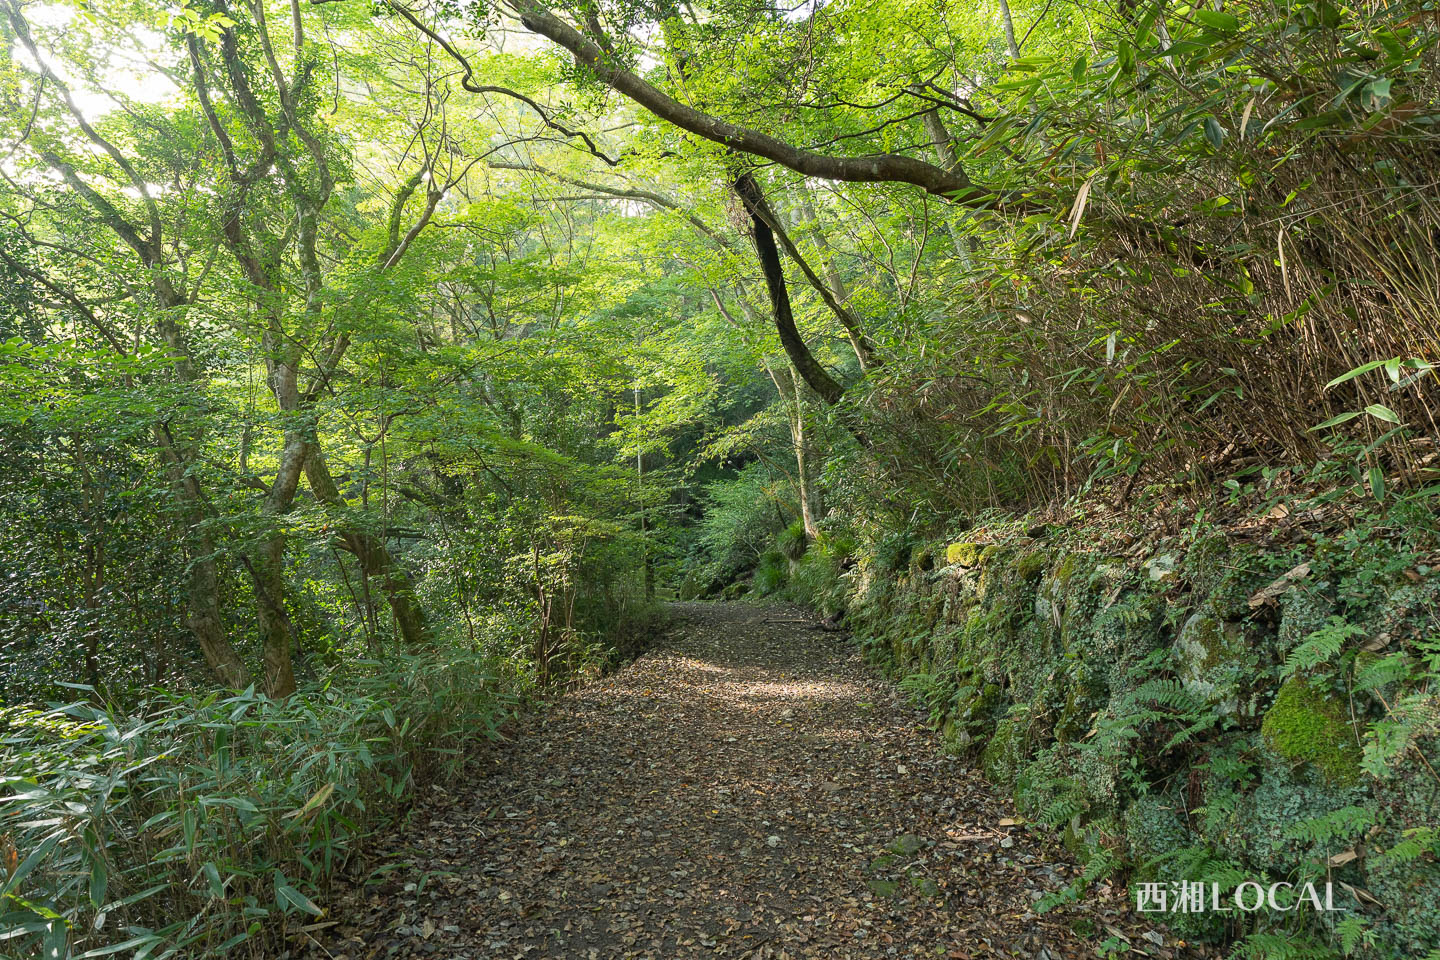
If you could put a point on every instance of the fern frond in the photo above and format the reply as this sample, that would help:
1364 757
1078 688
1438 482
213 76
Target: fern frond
1320 646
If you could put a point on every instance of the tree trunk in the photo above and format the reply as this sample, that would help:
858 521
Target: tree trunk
202 603
804 362
1009 26
831 289
811 507
945 154
827 253
792 396
202 598
268 571
375 560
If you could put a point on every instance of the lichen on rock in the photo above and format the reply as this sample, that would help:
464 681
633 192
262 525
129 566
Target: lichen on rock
1213 660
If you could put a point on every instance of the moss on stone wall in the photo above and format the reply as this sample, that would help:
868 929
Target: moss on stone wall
1138 701
1307 725
963 554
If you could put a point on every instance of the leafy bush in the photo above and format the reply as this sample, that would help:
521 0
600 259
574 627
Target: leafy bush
793 541
191 824
740 521
771 574
816 580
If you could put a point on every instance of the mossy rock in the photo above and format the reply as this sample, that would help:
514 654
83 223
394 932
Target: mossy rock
979 704
1206 562
884 888
924 886
1030 565
906 845
883 862
954 738
1302 612
963 554
1213 660
1084 694
1307 725
1048 785
1163 568
922 558
1004 752
1224 576
1266 815
1068 566
1121 633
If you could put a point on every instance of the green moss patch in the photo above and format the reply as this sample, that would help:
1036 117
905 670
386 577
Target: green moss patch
1031 565
963 554
1306 725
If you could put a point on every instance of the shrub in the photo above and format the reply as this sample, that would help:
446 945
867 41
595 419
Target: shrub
771 574
191 824
793 541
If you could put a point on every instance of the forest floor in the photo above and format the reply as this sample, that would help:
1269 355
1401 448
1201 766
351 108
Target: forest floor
748 788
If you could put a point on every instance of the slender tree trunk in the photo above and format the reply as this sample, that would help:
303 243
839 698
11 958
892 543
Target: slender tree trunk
647 561
806 204
375 560
202 596
202 603
1009 26
833 289
792 397
945 156
811 507
268 570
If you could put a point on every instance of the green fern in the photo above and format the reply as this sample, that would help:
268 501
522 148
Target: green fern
1417 842
1069 802
1355 931
1382 672
1320 646
1339 825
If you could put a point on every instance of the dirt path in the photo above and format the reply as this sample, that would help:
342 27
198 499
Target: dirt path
750 789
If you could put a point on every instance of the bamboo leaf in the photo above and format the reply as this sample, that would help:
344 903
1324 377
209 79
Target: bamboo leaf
1362 369
1381 412
1082 197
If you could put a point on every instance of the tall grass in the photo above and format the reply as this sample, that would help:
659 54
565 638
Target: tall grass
196 825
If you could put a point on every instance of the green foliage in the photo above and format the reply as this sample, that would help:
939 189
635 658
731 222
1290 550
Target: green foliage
1105 738
197 823
817 578
300 379
1306 725
1320 647
793 541
771 573
738 527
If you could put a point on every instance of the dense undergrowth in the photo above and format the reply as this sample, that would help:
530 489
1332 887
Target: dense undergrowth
211 824
192 825
1259 701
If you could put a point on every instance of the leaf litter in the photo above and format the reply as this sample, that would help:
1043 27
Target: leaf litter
745 789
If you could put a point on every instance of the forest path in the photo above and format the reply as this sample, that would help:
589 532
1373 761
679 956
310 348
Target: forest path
746 789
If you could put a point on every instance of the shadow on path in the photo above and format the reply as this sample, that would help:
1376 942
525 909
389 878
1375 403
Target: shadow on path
748 789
